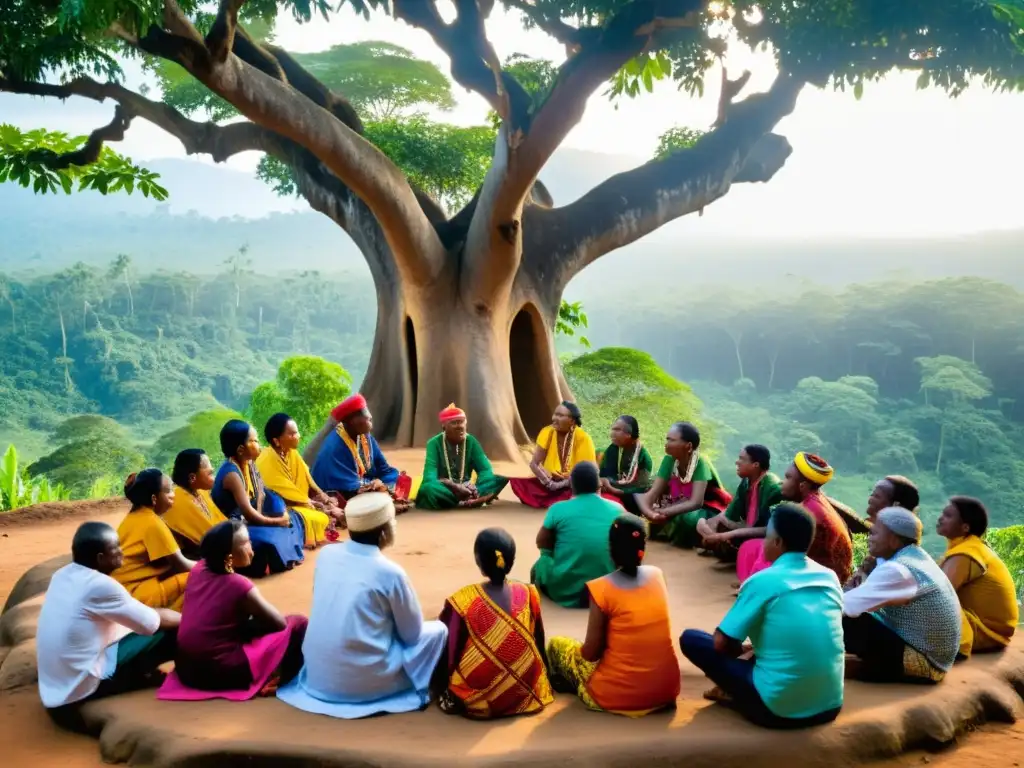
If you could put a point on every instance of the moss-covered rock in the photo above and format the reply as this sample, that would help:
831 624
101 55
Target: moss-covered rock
614 381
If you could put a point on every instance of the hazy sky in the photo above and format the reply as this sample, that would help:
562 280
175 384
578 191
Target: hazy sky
898 162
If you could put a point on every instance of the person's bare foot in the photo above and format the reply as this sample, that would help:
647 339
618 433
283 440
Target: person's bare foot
476 503
401 506
717 695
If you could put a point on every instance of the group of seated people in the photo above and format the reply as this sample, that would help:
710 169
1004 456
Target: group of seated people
172 582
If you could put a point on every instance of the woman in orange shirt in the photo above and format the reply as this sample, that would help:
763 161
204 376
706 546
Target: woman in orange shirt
627 664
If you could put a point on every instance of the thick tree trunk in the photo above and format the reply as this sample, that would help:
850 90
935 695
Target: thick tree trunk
431 348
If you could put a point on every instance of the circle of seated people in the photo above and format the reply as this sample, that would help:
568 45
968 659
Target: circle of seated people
173 582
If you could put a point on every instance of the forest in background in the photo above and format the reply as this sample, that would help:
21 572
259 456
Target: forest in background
919 379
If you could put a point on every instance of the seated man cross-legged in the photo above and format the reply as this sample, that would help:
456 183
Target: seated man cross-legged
903 622
93 638
453 457
367 648
573 541
348 461
792 677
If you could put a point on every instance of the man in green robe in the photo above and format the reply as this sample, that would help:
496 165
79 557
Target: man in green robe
747 515
453 457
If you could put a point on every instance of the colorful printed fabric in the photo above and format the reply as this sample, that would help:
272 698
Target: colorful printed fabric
496 668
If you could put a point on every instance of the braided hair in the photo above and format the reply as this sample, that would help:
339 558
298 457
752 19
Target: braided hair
627 540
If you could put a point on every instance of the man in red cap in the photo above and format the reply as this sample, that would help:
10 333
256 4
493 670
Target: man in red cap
453 456
349 460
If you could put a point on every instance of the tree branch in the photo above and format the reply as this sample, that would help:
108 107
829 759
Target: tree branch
221 37
273 103
474 63
220 142
573 38
624 208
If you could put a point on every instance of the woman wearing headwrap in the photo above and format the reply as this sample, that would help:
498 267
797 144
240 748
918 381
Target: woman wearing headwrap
367 650
560 447
277 532
453 458
153 570
988 597
286 474
232 643
626 465
350 462
686 490
904 621
832 546
495 659
627 664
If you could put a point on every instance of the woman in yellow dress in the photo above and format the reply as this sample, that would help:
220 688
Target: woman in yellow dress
560 447
153 570
193 512
988 599
285 473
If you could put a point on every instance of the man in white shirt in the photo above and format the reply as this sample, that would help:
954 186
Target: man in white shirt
93 638
903 622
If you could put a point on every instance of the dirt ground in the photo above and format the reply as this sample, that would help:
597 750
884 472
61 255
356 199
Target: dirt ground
436 551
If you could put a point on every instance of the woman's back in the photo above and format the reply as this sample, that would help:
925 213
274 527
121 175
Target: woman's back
639 669
222 497
213 616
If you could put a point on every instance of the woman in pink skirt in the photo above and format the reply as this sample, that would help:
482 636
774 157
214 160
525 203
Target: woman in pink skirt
232 643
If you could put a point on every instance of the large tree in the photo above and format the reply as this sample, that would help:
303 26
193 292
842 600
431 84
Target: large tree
467 299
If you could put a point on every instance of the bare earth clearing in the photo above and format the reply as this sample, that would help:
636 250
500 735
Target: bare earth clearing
879 722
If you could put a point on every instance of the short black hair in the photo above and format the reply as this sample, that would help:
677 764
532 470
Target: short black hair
186 463
233 436
904 492
585 478
574 411
370 537
760 455
491 542
89 542
627 540
972 513
688 432
217 544
141 487
633 424
794 525
275 427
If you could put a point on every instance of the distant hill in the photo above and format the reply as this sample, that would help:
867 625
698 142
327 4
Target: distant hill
213 210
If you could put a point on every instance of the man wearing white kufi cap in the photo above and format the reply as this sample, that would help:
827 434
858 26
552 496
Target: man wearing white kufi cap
367 650
903 621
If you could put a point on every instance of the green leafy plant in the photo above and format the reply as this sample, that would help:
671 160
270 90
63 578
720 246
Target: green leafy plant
17 490
571 319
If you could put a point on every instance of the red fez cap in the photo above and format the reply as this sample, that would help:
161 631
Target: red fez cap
349 406
451 413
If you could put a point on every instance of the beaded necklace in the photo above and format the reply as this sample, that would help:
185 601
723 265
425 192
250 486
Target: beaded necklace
284 464
358 447
199 501
566 452
690 467
458 454
633 465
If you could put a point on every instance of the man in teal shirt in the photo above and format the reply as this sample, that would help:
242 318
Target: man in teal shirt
792 676
573 541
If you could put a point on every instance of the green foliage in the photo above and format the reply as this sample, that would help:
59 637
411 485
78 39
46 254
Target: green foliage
675 139
90 448
18 490
26 156
447 161
571 318
615 381
201 431
1008 543
306 388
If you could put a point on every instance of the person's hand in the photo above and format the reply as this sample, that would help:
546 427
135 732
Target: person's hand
656 517
323 498
461 492
374 486
284 521
714 538
473 492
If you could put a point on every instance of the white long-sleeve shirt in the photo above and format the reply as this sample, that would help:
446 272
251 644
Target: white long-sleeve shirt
889 582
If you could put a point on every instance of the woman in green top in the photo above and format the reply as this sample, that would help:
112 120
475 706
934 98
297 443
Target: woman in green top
686 489
452 458
626 466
